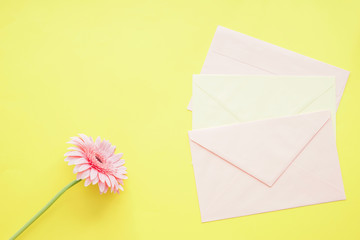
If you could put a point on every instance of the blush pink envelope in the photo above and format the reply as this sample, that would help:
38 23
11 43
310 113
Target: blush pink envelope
266 165
232 52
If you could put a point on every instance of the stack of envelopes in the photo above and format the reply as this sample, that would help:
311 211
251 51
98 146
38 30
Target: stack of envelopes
263 135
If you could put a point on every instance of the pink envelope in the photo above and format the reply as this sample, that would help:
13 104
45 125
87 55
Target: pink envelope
232 52
266 165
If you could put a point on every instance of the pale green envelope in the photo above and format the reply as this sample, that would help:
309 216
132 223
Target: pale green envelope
227 99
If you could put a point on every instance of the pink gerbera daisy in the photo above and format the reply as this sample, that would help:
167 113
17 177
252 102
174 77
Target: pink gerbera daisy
96 163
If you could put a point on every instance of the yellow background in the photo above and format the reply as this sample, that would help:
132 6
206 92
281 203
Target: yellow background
122 70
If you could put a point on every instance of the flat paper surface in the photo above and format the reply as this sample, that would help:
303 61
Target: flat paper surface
226 99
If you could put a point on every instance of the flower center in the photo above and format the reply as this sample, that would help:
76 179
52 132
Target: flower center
98 159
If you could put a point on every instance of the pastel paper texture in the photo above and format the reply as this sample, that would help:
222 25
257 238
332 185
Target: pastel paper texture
266 165
232 52
227 99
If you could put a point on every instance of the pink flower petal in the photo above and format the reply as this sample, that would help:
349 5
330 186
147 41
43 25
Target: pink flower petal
119 163
86 173
116 187
113 182
115 157
73 154
86 139
112 179
74 148
102 177
101 186
111 150
87 182
98 141
107 180
121 176
121 172
84 167
76 141
70 158
101 145
96 180
77 161
93 173
76 168
106 145
83 175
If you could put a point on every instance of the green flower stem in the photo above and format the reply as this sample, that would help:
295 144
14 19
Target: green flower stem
37 215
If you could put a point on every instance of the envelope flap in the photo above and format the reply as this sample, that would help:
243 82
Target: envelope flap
270 59
259 97
263 149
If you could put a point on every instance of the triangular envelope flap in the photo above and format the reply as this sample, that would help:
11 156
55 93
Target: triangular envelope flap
261 54
259 97
263 149
204 107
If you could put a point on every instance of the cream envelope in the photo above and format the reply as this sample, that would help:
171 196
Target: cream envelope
266 165
232 52
227 99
